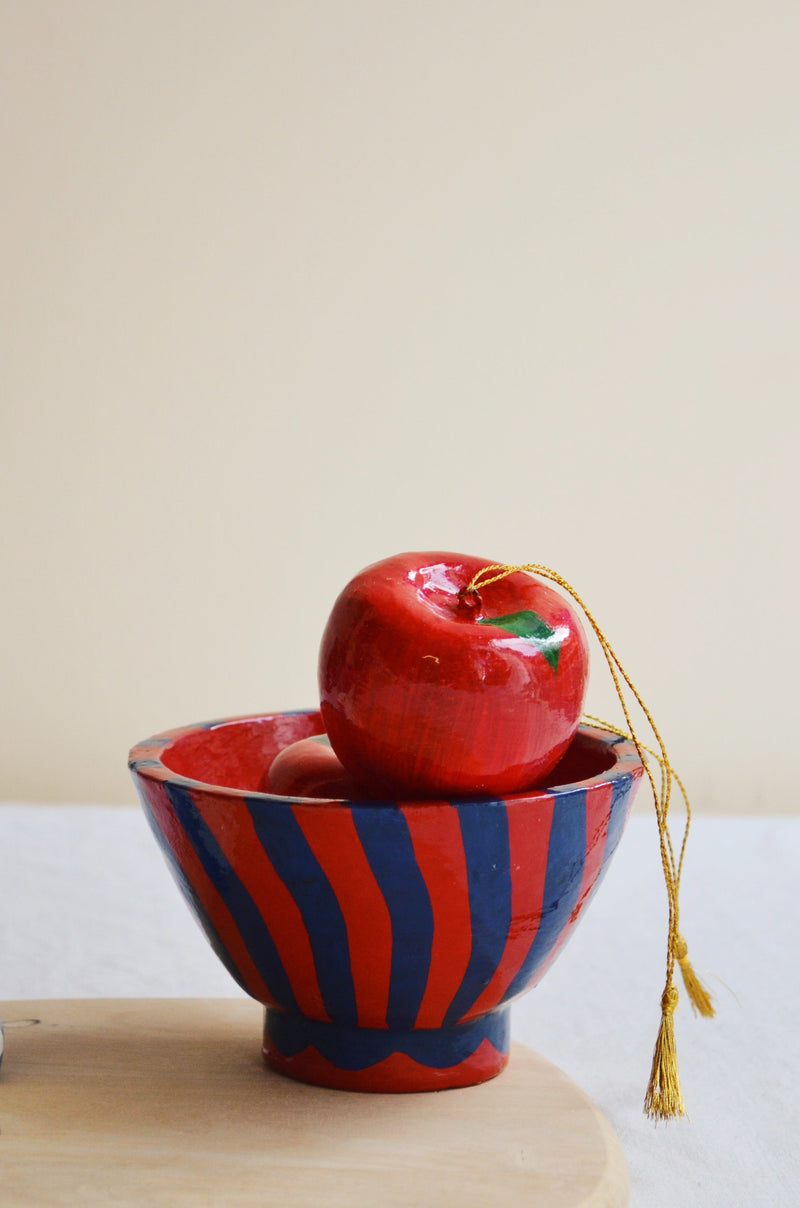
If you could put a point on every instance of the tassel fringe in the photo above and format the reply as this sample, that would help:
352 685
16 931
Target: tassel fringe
664 1100
699 997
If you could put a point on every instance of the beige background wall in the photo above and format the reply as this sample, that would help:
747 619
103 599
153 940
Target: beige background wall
290 287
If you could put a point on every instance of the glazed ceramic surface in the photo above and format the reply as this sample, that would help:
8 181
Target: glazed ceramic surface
386 939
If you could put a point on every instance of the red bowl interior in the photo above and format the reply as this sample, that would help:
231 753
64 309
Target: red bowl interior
237 754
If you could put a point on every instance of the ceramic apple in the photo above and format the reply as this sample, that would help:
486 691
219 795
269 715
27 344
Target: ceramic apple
429 691
310 768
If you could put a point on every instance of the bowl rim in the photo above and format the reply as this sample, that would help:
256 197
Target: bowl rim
145 762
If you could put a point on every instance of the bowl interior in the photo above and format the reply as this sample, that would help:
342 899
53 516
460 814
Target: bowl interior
237 753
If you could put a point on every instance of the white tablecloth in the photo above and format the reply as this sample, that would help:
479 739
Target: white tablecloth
88 909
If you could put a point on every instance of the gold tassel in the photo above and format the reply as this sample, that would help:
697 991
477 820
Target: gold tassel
699 996
663 1100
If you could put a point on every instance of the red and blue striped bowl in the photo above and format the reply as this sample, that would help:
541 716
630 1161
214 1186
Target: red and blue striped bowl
386 939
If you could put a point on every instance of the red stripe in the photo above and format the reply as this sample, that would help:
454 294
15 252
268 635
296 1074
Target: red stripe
332 836
439 852
218 914
529 842
241 846
598 813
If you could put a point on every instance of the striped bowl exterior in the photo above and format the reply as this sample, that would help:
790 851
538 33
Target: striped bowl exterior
386 939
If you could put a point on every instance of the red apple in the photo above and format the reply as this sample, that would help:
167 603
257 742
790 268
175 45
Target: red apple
310 768
428 691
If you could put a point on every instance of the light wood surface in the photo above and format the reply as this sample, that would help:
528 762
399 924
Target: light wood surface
166 1102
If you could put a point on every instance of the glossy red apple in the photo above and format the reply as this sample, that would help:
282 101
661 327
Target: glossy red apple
310 768
427 691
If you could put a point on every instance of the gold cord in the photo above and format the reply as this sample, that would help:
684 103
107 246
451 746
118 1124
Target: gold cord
663 1099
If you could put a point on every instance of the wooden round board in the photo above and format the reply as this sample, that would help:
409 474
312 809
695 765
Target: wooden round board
166 1102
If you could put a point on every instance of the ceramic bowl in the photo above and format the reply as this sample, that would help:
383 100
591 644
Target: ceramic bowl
386 939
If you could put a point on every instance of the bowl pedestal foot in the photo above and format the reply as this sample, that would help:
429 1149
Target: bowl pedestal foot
383 1059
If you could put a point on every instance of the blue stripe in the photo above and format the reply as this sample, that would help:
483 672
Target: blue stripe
299 869
566 857
246 915
188 891
620 800
386 840
484 834
360 1048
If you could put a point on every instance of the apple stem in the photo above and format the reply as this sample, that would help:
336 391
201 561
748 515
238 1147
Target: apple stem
469 600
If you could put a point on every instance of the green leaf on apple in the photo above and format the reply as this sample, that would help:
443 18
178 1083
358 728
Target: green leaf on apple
528 624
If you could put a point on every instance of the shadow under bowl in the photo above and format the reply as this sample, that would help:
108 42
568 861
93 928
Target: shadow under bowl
386 939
